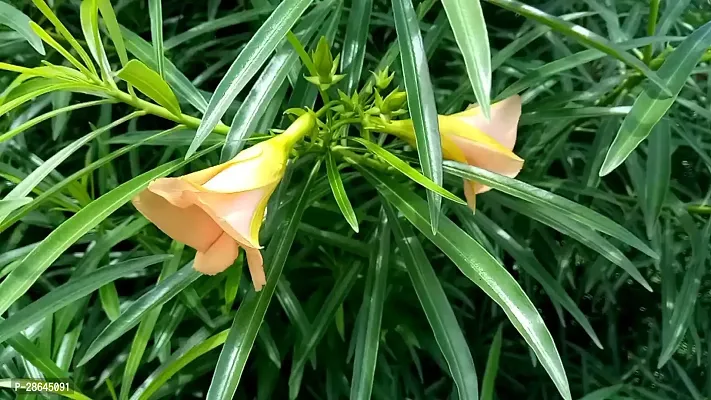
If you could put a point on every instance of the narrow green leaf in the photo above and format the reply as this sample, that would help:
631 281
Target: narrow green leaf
249 61
658 173
420 99
354 44
339 192
32 180
182 358
482 269
550 201
57 112
672 12
438 311
151 84
132 315
110 303
66 182
145 328
20 23
469 28
261 96
182 85
530 264
251 312
584 36
89 17
684 304
651 105
42 256
407 170
577 231
341 287
155 10
37 87
603 393
239 17
492 367
9 205
367 340
542 73
62 30
70 292
112 25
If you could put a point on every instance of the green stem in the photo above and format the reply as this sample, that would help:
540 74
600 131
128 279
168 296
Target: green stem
159 111
344 122
651 28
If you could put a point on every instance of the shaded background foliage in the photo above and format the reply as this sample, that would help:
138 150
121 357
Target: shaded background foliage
569 121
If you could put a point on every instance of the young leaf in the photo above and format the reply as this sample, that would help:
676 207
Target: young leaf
251 312
420 99
20 23
367 339
482 269
407 170
89 17
438 310
151 84
42 256
339 192
252 57
584 36
469 28
492 367
651 105
155 9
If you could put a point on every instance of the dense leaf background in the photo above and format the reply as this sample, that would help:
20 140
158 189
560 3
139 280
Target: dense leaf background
606 230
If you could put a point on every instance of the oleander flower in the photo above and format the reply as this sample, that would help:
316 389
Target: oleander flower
468 137
220 209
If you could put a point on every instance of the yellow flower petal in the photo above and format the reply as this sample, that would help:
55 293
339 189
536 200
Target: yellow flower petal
189 225
218 257
503 124
256 268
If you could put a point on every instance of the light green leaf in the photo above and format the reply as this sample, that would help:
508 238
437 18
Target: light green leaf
89 17
482 269
155 9
182 85
367 336
151 84
584 36
438 311
70 292
651 105
62 30
133 315
339 192
42 256
550 201
420 99
249 61
354 44
492 367
251 312
469 28
25 187
20 23
407 170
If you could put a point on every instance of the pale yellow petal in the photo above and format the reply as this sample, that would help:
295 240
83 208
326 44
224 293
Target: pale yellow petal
263 165
256 268
236 213
218 257
470 190
173 190
502 126
189 225
491 159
